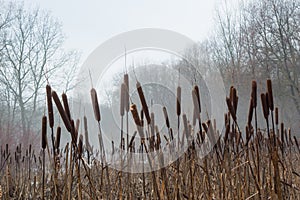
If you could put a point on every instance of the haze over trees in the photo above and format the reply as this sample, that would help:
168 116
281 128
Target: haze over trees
31 51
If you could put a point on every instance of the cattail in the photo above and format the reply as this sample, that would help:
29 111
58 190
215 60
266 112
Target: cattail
142 117
171 133
250 114
166 117
282 132
122 100
196 103
44 132
143 102
270 95
58 135
276 116
61 111
196 89
178 101
66 105
95 105
254 93
135 114
126 96
230 108
194 117
50 106
152 124
264 105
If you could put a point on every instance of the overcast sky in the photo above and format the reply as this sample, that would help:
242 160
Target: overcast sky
89 23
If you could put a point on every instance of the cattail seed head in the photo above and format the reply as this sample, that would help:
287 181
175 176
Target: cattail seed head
95 103
66 105
235 99
126 99
44 132
254 93
265 107
50 106
122 99
135 114
270 95
196 104
196 89
143 102
166 117
178 101
57 138
61 111
152 124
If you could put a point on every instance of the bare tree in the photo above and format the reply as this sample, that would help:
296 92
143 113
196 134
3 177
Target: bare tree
32 50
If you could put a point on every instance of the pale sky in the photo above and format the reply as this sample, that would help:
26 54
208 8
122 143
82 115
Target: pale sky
89 23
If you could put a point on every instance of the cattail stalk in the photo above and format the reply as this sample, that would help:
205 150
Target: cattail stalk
44 144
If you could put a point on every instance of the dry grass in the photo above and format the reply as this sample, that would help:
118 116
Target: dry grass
258 164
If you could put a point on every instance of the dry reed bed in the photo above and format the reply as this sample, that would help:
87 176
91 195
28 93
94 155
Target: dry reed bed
241 164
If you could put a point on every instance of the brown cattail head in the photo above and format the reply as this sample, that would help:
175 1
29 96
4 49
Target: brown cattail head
122 99
230 108
61 111
143 101
166 117
254 93
50 106
265 107
142 117
270 95
66 105
135 114
126 97
196 88
196 104
57 138
178 101
74 133
250 113
86 134
95 103
152 124
282 132
44 132
276 116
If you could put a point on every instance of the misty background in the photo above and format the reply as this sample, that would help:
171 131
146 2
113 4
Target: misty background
47 42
